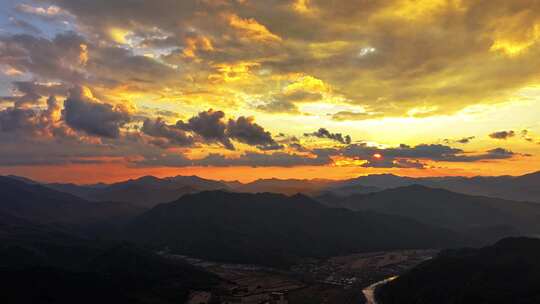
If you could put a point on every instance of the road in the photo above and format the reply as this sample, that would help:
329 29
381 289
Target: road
369 292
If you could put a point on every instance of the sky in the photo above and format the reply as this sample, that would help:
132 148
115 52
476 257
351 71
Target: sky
107 90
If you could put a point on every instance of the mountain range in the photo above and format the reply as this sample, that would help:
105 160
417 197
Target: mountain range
149 191
88 239
146 191
41 204
274 229
517 188
486 218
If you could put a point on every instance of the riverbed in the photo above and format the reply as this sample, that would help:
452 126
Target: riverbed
369 292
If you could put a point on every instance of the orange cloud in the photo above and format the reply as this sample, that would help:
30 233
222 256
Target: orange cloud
251 29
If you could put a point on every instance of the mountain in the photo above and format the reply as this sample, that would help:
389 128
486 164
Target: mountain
487 218
507 272
518 188
284 186
146 191
274 229
38 203
41 264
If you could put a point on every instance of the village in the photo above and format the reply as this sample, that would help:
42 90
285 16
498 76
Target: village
320 280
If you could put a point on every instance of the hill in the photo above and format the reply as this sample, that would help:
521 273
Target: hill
507 272
274 229
487 218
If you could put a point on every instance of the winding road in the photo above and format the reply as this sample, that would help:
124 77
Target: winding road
369 292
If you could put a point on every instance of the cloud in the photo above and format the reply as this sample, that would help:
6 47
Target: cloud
463 140
24 25
436 68
324 133
30 93
49 12
23 122
502 134
303 89
171 133
84 113
432 152
13 119
394 163
251 29
56 59
210 125
279 106
245 130
251 159
349 115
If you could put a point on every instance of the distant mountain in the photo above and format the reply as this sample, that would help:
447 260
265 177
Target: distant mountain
274 229
519 188
284 186
487 218
22 179
146 191
507 272
37 203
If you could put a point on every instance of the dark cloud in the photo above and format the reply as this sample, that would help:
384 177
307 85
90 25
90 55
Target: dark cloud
298 147
251 159
433 152
14 119
463 140
525 134
166 113
81 112
275 146
502 134
324 133
171 133
22 122
29 93
210 125
56 59
394 163
245 130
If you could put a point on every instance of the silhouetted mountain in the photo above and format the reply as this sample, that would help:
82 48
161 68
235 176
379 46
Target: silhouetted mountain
518 188
274 229
146 191
284 186
507 272
23 179
41 265
37 203
487 218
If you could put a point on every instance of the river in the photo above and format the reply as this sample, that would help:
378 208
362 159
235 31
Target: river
369 292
